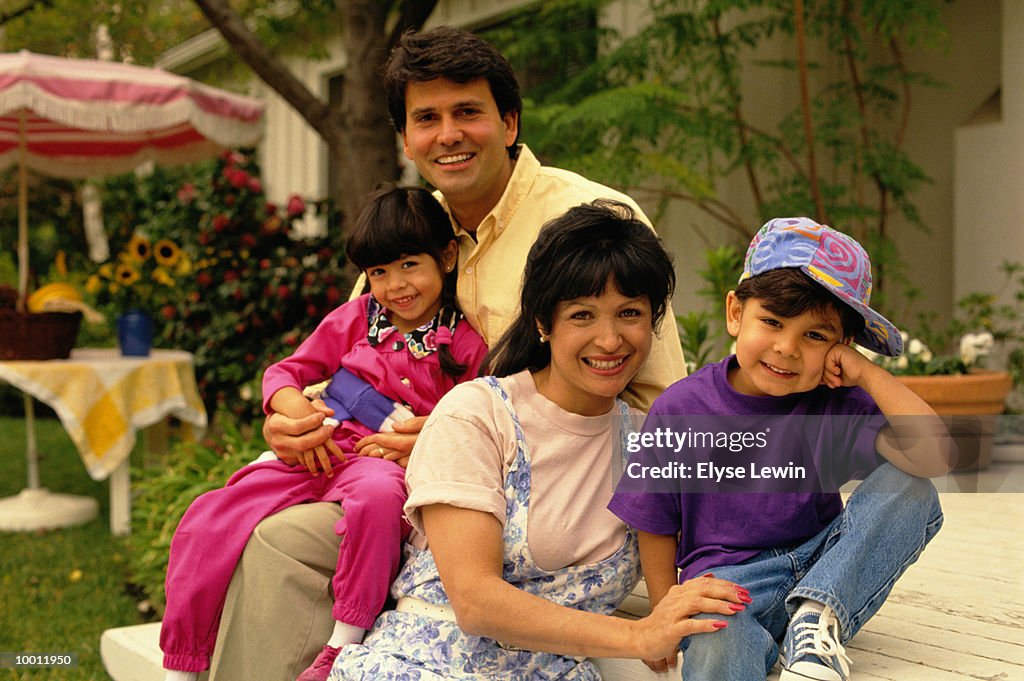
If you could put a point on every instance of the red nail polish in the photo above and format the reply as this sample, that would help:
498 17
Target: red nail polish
708 575
742 590
720 625
736 607
745 599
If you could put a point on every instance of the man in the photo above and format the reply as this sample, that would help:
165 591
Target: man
455 101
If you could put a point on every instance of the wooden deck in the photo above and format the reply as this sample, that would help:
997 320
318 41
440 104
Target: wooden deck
958 613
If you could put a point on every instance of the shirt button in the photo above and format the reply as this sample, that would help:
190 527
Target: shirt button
469 270
405 381
398 345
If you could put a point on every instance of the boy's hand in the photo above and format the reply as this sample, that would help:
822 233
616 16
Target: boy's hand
844 367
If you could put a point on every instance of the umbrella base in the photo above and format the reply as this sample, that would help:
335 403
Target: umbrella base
38 509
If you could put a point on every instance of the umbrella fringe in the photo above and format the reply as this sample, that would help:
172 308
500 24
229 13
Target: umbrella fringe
135 118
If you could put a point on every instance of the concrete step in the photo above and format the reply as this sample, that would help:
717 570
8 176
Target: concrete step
133 653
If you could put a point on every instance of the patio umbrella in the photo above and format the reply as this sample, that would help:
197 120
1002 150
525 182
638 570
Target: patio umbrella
79 118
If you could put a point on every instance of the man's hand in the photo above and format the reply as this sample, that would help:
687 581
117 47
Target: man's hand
395 446
306 440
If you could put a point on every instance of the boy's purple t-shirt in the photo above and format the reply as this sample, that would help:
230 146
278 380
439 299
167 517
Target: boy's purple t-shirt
831 430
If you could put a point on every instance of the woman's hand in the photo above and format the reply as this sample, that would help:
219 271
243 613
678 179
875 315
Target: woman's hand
395 446
673 618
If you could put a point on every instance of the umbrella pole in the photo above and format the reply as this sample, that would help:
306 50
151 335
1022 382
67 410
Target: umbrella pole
22 214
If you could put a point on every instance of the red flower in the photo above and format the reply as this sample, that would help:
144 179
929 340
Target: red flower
283 291
187 193
230 275
296 206
204 278
248 240
270 208
168 311
255 186
333 295
265 263
221 222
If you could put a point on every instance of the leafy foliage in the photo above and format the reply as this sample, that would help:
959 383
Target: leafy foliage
661 111
254 289
163 495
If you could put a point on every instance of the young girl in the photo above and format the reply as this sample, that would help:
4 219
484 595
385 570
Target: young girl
408 341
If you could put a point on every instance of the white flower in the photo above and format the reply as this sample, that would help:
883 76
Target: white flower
245 392
902 362
918 349
974 346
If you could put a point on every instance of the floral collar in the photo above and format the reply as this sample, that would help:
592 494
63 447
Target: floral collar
421 341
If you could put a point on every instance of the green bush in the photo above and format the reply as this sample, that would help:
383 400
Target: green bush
163 494
253 290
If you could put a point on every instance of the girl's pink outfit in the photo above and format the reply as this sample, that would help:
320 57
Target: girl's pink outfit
213 533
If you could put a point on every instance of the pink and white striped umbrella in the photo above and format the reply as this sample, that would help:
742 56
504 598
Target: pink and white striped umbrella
83 118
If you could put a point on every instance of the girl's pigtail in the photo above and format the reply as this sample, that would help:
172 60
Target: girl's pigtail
444 354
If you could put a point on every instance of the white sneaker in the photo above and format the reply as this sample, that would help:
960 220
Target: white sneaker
811 649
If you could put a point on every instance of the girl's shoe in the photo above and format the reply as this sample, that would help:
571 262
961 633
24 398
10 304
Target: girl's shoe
321 666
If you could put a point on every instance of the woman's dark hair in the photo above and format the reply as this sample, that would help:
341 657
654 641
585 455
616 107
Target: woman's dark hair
788 292
455 54
399 221
573 257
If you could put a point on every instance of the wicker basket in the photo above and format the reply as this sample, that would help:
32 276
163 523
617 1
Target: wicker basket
41 335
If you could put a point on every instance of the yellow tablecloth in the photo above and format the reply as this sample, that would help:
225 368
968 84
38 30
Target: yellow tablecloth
103 399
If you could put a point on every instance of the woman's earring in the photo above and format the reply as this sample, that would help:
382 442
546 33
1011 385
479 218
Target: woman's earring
543 336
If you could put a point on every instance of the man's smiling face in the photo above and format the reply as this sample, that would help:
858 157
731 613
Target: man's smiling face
458 140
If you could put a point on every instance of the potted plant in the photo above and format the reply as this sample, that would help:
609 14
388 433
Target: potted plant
958 384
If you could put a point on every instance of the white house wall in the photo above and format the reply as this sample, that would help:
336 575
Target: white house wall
989 167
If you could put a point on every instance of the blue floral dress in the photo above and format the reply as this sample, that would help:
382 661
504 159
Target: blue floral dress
405 646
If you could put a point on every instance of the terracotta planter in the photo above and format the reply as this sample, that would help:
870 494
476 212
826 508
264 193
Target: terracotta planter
972 402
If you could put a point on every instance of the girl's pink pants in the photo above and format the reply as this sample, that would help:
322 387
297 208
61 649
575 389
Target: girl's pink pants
212 535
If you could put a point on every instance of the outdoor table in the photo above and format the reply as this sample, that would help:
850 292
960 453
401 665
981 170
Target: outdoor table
102 399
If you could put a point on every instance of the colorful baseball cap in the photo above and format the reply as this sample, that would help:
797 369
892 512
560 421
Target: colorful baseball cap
832 259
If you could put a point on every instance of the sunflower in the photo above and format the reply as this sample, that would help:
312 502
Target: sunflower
166 252
126 274
139 248
162 276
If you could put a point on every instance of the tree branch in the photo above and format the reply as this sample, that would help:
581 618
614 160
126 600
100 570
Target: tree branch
737 114
805 105
268 67
11 16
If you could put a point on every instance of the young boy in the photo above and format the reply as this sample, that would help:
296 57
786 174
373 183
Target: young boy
815 571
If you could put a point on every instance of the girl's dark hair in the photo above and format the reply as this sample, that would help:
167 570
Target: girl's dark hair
455 54
788 292
573 257
399 221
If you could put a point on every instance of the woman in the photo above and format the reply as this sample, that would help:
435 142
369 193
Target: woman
510 478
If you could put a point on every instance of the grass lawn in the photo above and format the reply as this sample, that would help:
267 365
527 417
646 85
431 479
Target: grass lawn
59 589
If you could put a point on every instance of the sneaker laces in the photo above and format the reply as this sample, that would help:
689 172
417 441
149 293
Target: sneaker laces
820 638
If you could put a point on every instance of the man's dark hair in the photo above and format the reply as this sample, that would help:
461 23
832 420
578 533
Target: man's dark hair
788 292
455 54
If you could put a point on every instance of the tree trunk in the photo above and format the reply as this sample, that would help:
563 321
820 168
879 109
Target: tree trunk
359 137
368 153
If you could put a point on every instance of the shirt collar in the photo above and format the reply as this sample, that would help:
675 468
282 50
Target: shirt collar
524 173
421 341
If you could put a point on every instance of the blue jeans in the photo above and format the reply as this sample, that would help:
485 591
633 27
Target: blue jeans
850 566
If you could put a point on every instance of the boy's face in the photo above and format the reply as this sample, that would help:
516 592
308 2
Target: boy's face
778 355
